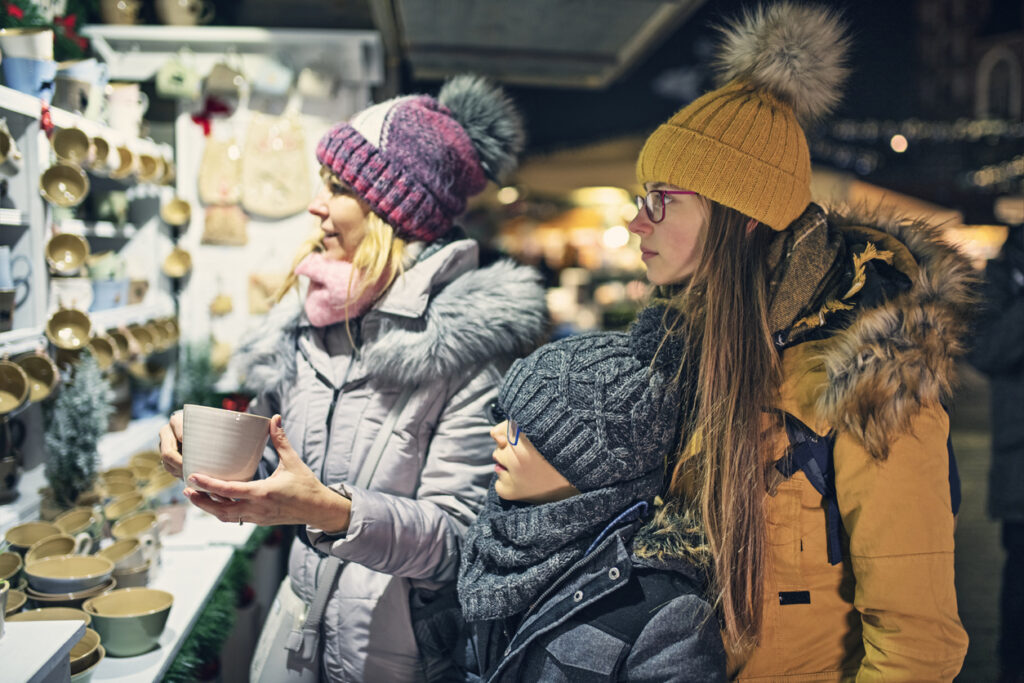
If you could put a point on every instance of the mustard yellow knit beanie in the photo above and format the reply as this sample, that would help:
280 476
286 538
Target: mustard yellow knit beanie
743 144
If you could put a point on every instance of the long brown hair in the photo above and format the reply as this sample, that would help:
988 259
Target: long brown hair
734 373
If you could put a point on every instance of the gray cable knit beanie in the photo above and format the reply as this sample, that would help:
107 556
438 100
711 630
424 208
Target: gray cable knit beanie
595 411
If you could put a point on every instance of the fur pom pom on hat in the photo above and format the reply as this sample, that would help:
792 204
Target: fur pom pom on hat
416 160
742 145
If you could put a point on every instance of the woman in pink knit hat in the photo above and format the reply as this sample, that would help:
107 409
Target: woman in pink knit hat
379 365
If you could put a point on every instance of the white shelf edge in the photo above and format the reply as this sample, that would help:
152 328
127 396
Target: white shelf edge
27 105
28 338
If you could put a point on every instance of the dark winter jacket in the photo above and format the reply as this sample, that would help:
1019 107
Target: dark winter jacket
579 630
998 351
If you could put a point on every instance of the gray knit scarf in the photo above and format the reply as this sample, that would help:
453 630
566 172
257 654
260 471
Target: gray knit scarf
514 551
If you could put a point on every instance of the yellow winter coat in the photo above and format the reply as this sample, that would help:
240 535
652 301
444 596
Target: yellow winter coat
888 611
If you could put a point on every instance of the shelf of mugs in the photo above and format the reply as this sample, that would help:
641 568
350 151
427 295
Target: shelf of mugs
26 339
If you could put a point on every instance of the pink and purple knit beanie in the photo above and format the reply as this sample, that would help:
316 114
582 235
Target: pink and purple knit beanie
416 159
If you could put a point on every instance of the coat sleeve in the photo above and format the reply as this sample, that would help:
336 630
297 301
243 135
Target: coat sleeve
681 644
999 329
899 519
421 537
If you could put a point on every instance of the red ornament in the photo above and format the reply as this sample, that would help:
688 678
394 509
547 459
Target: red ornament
45 120
15 11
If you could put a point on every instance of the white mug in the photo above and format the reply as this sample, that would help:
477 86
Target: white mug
10 156
30 42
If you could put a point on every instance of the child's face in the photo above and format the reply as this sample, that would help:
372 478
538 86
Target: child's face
523 473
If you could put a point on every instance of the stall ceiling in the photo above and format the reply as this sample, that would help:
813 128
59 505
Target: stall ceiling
557 43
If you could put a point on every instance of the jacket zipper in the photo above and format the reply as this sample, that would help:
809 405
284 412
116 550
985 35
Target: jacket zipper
336 394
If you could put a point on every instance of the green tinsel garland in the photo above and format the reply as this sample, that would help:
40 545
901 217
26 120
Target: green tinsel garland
218 617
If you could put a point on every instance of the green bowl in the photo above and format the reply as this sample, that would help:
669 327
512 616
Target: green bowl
129 620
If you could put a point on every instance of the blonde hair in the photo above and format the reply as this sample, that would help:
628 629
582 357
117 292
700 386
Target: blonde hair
379 258
734 372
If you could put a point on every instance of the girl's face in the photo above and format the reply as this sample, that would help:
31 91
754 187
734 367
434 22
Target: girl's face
342 217
523 473
672 247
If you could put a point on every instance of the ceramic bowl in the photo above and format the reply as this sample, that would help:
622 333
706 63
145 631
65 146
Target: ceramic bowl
101 155
14 386
115 487
150 168
125 162
162 487
80 519
103 350
178 263
126 554
85 676
118 472
143 339
15 601
146 458
69 329
133 578
176 212
85 652
62 544
10 564
71 144
66 253
130 620
68 573
22 536
123 506
222 443
42 373
68 599
134 525
53 614
64 184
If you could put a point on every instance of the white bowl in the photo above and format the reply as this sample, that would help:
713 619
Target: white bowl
222 443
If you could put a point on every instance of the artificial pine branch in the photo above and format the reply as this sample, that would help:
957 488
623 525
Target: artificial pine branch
196 376
75 421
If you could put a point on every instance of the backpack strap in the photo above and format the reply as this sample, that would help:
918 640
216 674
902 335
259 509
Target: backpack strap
812 454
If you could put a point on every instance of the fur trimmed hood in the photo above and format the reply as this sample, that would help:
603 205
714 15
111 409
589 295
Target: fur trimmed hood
443 317
898 355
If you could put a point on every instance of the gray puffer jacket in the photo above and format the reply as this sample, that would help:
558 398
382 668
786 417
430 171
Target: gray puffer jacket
449 329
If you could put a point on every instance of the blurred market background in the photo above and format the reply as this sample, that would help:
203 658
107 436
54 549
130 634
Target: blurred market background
930 125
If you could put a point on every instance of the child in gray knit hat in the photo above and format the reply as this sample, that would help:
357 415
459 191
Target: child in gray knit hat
550 583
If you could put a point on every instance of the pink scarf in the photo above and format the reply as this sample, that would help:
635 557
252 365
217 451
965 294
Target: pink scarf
330 284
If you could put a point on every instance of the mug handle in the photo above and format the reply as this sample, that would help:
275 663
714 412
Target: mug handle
143 101
83 544
206 13
23 280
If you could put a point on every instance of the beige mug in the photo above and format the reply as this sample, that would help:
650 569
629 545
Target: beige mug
120 11
184 12
71 144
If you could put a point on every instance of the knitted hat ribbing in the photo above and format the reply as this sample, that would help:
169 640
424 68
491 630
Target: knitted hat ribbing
742 145
598 414
416 159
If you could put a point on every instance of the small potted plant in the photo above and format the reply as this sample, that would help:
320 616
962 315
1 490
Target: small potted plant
75 421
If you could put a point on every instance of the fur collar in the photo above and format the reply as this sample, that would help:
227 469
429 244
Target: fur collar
899 355
466 316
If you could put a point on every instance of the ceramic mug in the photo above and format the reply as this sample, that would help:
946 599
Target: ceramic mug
126 105
100 158
71 144
70 292
177 78
184 12
10 156
10 283
30 42
120 11
80 85
272 78
34 77
225 80
64 184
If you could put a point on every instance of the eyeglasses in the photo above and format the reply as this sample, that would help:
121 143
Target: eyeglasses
498 416
654 203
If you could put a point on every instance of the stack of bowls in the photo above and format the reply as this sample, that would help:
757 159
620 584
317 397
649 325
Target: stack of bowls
130 620
131 564
68 580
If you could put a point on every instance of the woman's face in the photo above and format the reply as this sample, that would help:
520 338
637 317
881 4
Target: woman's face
671 248
342 217
523 473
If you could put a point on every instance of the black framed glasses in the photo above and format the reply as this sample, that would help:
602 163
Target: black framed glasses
654 203
497 416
